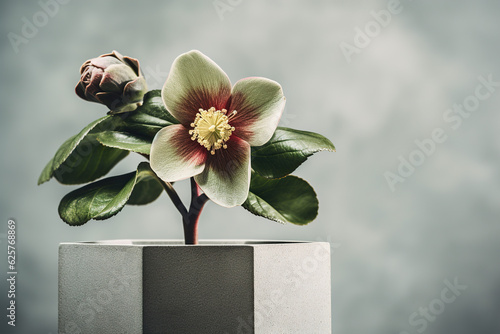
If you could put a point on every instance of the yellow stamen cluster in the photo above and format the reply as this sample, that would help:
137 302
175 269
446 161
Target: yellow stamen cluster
211 128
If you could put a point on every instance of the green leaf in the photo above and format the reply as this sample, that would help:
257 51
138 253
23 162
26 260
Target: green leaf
149 118
46 172
287 150
78 152
99 200
103 199
286 200
147 189
90 161
66 149
153 110
125 141
136 131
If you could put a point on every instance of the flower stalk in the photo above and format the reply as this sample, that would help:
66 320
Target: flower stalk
190 218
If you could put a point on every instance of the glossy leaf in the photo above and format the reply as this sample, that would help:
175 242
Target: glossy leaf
88 162
139 127
125 141
105 198
147 189
66 149
149 118
286 200
287 150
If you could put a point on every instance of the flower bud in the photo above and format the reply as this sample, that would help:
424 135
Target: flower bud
113 80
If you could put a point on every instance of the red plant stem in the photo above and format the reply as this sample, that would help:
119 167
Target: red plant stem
191 218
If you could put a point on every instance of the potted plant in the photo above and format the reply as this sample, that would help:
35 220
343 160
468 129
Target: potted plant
226 140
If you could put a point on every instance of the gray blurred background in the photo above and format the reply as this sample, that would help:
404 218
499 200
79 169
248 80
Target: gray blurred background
393 247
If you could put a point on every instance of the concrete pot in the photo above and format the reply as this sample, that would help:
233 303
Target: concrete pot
164 286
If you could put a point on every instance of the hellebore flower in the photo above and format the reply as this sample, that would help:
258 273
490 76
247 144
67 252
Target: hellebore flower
113 80
218 126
